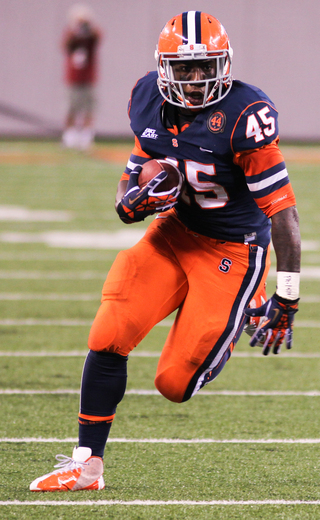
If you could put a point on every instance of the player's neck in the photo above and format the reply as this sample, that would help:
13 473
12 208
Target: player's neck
178 117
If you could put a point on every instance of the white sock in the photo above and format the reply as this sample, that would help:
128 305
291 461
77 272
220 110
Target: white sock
70 137
86 138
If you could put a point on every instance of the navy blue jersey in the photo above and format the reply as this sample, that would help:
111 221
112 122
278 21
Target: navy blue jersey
218 199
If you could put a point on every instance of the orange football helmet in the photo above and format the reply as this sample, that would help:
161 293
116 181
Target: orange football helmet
194 35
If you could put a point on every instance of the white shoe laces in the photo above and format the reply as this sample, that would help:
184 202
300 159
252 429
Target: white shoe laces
68 462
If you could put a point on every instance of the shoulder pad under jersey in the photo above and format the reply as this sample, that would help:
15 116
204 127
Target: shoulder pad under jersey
257 123
144 96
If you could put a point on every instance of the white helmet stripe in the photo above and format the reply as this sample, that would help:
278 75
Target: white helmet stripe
191 27
191 21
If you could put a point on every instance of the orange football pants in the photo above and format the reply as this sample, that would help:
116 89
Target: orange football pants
210 282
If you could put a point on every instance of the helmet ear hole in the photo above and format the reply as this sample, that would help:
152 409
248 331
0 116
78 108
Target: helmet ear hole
194 35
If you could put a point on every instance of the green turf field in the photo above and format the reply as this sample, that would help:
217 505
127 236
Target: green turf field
246 447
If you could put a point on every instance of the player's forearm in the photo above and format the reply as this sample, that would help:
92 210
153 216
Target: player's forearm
286 240
287 245
122 188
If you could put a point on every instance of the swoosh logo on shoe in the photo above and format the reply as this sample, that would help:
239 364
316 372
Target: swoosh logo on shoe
65 482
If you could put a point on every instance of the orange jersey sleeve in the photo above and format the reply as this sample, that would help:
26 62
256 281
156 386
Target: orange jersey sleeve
267 177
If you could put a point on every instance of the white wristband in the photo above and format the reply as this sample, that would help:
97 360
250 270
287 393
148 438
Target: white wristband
288 285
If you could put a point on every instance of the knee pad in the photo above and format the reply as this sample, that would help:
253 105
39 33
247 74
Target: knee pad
111 331
170 385
104 333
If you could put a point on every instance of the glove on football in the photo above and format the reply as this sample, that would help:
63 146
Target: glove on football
137 203
277 325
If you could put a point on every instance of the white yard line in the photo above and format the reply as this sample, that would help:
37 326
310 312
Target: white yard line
146 354
10 213
51 440
63 256
49 296
160 503
71 353
311 324
52 275
8 296
307 273
120 239
96 254
239 393
29 322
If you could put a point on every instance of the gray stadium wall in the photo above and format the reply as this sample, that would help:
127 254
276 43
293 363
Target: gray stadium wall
276 47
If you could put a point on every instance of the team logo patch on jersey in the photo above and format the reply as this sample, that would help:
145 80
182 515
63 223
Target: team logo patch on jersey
150 133
225 265
217 121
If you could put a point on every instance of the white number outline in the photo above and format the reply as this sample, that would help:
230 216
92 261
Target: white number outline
203 188
254 129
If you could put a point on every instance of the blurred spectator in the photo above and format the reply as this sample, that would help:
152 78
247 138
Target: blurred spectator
80 42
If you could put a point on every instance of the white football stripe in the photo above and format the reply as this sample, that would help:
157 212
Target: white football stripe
83 297
11 296
52 275
22 214
51 440
158 502
239 393
73 239
311 324
307 273
251 353
91 240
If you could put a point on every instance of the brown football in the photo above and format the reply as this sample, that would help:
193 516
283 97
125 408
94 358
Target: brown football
151 168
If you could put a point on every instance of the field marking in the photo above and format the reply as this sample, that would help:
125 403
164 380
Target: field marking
120 239
9 213
146 354
52 275
51 440
237 393
29 322
307 273
62 256
81 297
15 296
160 503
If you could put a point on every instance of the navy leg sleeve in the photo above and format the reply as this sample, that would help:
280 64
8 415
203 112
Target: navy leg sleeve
103 386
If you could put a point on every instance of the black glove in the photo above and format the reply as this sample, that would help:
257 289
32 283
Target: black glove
277 325
137 203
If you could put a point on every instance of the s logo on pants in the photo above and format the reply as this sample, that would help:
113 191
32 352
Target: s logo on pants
225 265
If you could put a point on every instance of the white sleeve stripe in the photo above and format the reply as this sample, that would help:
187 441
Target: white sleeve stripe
257 186
131 165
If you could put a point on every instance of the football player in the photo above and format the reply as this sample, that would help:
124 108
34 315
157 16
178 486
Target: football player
206 254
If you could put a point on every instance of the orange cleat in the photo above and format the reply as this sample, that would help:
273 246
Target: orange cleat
79 472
